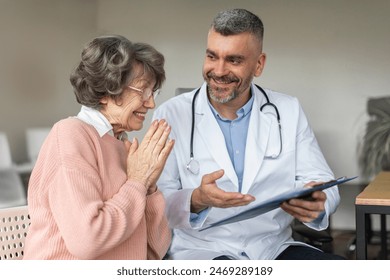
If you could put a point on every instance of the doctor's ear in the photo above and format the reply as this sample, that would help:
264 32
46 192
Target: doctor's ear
260 64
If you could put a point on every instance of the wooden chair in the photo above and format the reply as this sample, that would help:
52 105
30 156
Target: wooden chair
14 223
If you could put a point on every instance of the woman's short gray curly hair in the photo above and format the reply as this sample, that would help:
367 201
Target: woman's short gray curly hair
107 67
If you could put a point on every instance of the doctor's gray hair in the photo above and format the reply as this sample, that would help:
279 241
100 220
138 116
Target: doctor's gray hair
236 21
107 67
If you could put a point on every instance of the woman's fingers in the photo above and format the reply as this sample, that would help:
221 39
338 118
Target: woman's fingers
168 146
156 139
133 147
160 140
151 131
127 144
162 131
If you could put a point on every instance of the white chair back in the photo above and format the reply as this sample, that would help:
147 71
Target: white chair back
35 138
12 191
5 152
14 223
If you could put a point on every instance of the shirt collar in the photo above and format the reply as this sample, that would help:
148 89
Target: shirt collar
96 119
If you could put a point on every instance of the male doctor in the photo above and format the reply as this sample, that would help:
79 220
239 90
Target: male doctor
231 153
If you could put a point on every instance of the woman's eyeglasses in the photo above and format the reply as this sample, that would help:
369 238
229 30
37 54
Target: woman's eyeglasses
146 93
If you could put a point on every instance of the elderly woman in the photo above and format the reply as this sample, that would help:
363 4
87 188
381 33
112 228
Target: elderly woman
92 193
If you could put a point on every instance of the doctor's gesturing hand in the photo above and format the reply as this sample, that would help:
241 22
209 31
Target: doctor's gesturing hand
209 195
306 210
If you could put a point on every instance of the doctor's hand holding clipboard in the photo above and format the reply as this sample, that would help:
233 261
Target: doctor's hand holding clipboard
208 194
298 203
306 210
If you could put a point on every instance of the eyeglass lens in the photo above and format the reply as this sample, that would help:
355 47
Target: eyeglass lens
147 93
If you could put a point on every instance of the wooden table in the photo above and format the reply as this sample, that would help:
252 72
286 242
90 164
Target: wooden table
374 199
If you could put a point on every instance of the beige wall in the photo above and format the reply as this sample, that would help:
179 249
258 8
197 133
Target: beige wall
40 44
332 55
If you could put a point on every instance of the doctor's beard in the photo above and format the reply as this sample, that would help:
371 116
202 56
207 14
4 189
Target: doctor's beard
215 92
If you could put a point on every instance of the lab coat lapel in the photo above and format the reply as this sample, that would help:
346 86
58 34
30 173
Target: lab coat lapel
209 131
257 141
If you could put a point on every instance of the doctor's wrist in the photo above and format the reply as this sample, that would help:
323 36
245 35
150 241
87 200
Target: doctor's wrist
196 204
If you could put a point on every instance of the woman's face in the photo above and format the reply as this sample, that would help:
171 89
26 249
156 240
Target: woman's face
128 112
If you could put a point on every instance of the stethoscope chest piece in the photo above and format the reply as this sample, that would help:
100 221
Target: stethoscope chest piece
193 166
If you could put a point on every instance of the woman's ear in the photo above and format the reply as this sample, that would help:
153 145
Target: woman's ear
104 100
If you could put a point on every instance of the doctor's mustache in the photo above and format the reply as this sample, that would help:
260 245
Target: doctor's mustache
223 79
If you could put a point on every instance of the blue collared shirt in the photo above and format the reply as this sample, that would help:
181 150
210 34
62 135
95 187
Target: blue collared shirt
235 133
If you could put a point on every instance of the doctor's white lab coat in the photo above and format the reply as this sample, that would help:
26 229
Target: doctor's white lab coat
301 161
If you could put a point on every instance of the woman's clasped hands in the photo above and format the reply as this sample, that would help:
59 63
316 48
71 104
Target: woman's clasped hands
146 160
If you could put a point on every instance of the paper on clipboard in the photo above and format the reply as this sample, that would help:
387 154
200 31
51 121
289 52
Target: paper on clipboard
275 202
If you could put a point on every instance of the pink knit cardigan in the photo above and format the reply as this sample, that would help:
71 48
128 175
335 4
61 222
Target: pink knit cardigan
83 207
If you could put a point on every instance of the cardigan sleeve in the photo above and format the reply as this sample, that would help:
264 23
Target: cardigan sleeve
159 234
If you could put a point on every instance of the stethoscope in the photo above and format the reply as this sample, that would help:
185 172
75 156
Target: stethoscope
193 165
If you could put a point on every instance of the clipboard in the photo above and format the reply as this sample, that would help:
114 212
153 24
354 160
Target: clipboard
275 202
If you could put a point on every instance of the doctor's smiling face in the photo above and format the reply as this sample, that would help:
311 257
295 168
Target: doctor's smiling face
230 65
